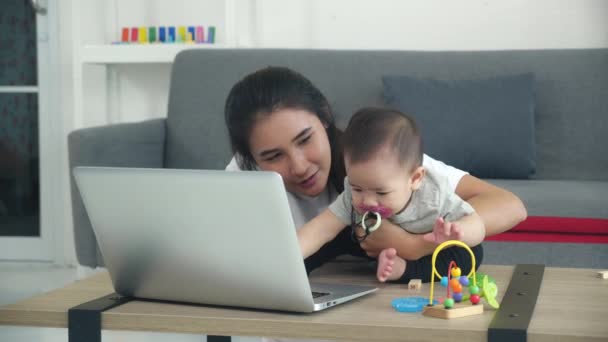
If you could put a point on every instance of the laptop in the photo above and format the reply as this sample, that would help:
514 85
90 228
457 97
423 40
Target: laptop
202 236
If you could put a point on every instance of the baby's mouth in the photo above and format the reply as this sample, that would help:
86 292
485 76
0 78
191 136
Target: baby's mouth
382 211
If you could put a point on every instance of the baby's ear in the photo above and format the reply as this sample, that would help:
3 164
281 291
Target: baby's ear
417 177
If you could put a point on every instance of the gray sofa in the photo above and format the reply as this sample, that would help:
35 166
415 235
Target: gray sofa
570 125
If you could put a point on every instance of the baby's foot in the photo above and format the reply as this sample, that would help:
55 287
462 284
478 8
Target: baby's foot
390 266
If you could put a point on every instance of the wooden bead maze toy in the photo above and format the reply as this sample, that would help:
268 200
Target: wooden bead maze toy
453 305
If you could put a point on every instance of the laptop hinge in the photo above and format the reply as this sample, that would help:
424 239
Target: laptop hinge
84 320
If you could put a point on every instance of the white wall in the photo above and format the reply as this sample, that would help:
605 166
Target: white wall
67 117
140 91
381 24
435 24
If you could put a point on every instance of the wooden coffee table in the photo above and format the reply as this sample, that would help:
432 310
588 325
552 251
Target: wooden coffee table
572 306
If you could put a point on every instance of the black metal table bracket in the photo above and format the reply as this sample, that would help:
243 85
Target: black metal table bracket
512 319
84 320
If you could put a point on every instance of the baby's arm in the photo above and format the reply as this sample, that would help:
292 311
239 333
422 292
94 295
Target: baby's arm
319 231
468 229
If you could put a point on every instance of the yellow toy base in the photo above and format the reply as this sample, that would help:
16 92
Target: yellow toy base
462 310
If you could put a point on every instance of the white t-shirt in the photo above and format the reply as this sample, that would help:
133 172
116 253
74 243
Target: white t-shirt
304 208
432 199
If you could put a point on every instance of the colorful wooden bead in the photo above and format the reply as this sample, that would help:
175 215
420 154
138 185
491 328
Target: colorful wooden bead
456 287
464 281
473 289
448 303
456 272
474 299
457 297
444 281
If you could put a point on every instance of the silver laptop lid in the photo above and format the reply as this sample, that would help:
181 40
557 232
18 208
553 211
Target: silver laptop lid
201 236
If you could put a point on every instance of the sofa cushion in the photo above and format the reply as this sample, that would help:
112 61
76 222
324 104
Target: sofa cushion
484 126
560 198
551 254
559 211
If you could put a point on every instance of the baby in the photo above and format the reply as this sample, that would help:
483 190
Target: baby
383 158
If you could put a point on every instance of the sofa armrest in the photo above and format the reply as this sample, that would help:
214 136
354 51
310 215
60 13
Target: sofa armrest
122 145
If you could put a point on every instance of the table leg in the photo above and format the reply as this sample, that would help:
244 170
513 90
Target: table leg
211 338
511 321
84 320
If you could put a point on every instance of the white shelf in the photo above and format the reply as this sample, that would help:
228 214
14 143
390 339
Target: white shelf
138 53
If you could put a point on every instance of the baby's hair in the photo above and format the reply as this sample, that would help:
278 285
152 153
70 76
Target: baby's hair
372 128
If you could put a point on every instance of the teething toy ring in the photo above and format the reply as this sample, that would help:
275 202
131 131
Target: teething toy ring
369 230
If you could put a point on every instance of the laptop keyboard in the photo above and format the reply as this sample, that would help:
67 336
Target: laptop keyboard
319 294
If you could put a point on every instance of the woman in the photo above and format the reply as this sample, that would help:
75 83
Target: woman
279 121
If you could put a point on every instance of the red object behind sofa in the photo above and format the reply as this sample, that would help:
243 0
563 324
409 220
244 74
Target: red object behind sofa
557 229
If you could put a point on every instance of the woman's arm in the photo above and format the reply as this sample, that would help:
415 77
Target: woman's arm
409 246
499 209
319 231
472 229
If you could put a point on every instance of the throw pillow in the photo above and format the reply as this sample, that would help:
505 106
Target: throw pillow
484 126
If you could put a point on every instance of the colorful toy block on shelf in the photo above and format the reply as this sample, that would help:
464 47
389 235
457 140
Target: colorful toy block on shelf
167 34
456 304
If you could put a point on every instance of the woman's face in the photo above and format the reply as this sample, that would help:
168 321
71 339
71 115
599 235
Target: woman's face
293 143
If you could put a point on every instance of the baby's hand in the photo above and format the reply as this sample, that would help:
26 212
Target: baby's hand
443 231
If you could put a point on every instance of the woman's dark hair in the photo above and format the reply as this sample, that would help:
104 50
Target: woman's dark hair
369 129
267 91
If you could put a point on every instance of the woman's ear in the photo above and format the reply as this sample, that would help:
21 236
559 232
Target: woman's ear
417 177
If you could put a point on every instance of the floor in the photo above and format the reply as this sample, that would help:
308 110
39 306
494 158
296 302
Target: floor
20 280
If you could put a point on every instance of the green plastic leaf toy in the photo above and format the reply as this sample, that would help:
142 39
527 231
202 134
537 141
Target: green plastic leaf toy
490 290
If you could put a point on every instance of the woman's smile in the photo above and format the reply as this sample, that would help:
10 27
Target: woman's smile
310 181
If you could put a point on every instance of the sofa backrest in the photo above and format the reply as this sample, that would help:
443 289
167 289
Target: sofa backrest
571 96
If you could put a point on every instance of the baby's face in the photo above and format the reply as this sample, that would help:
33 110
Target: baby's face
380 184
